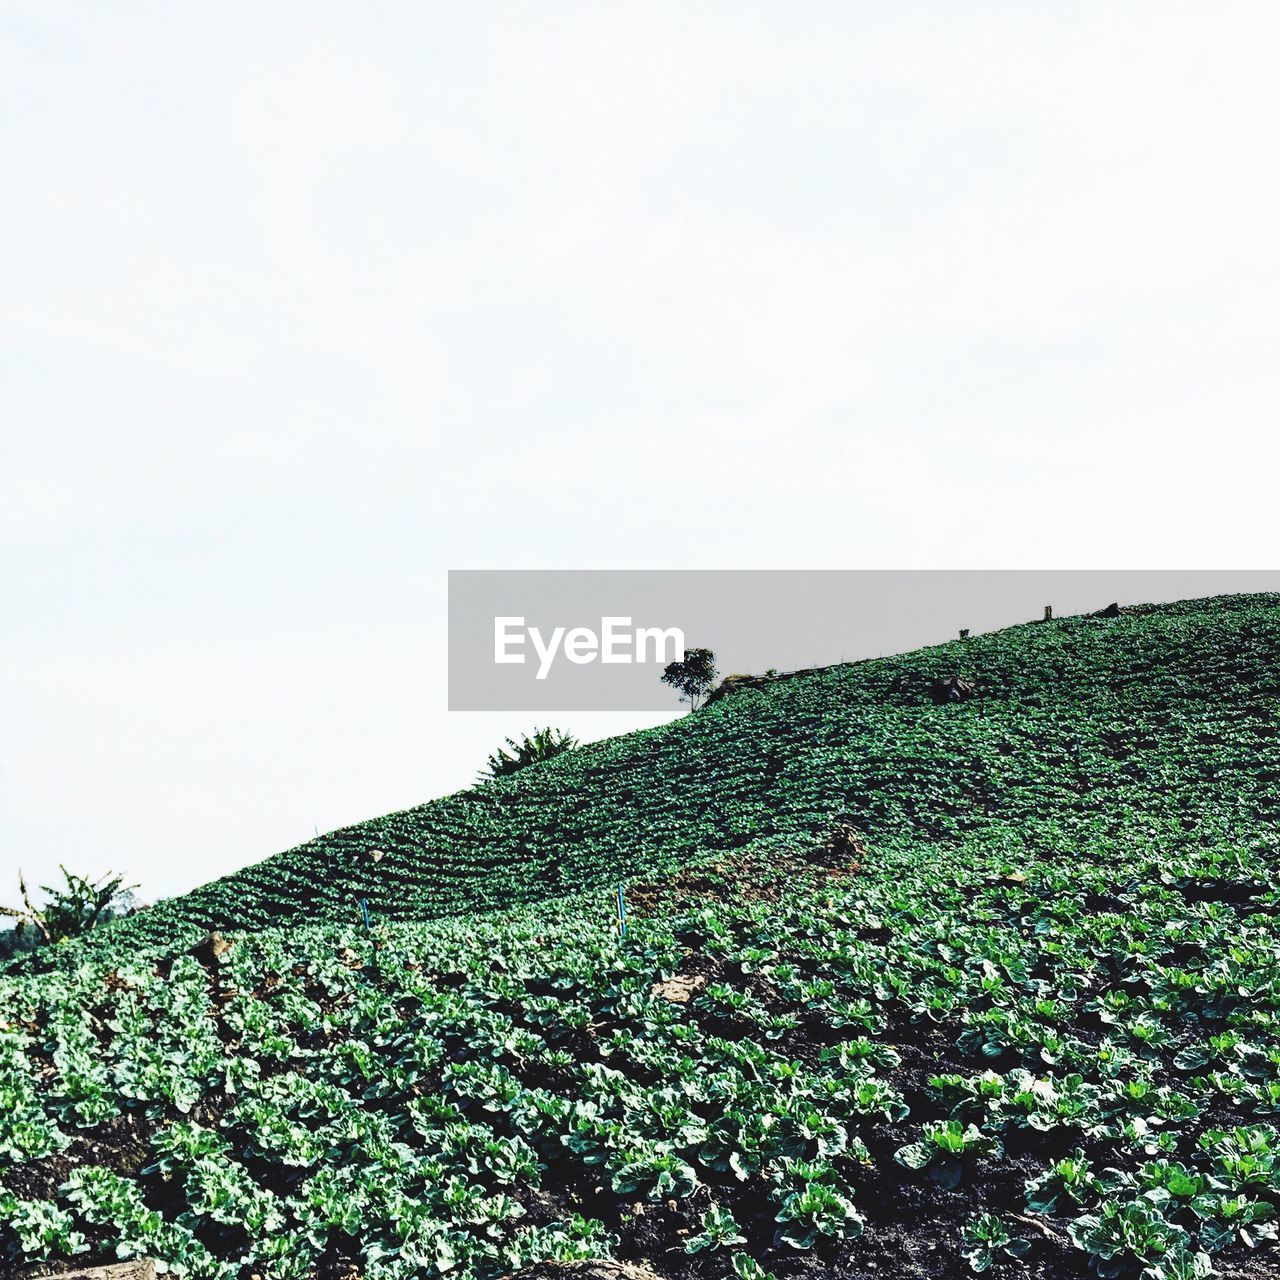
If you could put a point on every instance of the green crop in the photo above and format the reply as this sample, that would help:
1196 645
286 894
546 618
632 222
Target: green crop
944 1149
720 1230
1045 977
986 1241
1083 732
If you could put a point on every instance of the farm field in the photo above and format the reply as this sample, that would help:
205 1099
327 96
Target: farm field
906 990
1081 726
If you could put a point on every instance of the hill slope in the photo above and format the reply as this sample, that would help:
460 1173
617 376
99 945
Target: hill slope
1079 725
1018 1010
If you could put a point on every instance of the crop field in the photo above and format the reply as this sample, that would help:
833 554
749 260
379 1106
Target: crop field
907 991
1080 725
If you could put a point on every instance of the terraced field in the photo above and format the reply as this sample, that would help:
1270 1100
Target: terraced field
907 990
1080 726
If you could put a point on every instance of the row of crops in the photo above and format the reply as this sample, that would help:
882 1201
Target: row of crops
1080 726
1028 1024
1006 1060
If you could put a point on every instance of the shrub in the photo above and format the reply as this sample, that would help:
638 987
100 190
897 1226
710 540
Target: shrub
545 744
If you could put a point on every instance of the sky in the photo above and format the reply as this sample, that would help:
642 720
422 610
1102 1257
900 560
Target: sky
305 305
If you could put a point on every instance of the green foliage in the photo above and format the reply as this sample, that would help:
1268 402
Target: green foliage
720 1230
71 910
395 1111
944 1148
1088 734
745 1267
1124 1235
816 1210
40 1228
1061 937
986 1241
693 676
543 744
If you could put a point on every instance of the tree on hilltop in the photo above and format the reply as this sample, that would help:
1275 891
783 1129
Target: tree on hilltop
694 677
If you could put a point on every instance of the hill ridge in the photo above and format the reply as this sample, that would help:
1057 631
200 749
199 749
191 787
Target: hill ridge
759 767
907 989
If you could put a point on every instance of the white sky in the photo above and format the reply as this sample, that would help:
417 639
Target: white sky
302 305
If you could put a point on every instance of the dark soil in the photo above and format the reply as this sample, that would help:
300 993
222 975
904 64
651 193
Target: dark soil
753 877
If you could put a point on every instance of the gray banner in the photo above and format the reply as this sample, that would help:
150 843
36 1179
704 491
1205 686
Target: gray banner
598 640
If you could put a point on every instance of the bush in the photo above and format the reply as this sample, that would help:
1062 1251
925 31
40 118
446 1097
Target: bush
69 912
545 744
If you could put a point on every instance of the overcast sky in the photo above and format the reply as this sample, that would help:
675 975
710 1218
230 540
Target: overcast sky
303 305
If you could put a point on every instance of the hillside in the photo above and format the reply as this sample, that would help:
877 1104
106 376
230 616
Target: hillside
907 991
1079 726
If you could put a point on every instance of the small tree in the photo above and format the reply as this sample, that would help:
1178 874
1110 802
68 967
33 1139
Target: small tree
694 678
71 911
545 744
